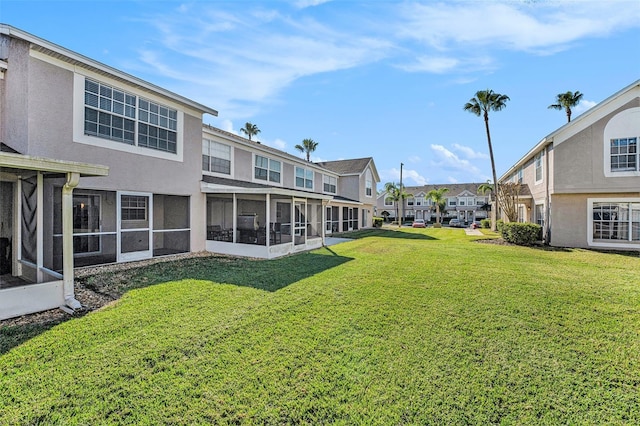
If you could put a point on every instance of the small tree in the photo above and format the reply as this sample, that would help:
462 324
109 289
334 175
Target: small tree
509 199
437 196
250 129
396 194
308 146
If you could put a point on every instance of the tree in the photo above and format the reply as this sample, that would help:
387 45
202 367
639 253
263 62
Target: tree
437 196
510 199
567 101
250 129
480 105
483 188
396 193
308 146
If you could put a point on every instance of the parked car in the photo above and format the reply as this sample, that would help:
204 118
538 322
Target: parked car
419 223
476 224
455 223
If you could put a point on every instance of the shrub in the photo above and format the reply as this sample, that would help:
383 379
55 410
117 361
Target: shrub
499 224
377 222
523 234
485 223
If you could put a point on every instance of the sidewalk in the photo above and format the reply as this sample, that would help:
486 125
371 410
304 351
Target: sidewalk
470 231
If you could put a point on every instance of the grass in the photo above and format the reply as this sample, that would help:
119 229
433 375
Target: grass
396 327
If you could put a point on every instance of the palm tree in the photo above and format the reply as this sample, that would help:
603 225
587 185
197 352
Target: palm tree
481 104
250 129
396 193
567 101
437 196
308 146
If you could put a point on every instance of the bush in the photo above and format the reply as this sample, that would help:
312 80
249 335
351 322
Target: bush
377 222
499 224
485 223
523 234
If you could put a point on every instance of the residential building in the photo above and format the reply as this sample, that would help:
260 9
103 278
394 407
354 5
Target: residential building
584 178
99 166
463 202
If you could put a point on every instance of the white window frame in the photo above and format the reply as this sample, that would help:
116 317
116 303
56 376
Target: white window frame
613 244
79 135
305 178
387 204
368 185
270 163
209 143
623 125
539 157
327 180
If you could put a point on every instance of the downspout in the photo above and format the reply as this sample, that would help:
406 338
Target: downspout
67 240
547 201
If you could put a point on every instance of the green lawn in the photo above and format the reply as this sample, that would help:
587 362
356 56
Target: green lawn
396 327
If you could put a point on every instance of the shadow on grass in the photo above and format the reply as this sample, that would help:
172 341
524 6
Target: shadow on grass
405 234
267 275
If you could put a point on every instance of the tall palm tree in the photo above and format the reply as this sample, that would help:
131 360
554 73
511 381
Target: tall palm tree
396 193
250 129
437 196
308 146
483 188
480 105
567 101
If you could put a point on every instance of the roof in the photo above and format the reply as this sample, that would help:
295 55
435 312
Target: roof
454 188
578 124
74 58
355 166
26 162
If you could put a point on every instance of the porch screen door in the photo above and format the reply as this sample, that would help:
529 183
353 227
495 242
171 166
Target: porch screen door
300 221
135 222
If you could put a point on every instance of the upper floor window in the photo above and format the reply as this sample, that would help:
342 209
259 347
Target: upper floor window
368 186
419 201
267 169
329 184
452 201
520 176
388 201
216 157
624 154
410 201
538 166
304 178
114 114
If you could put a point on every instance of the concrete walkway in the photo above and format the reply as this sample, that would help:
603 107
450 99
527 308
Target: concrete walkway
470 231
329 241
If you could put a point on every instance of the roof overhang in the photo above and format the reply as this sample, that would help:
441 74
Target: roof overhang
26 162
216 188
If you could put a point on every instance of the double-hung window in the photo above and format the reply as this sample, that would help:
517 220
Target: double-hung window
329 184
388 201
538 166
304 178
624 154
111 113
216 157
267 169
368 186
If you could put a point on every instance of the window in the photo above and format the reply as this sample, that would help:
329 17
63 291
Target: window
133 207
452 201
216 157
624 154
368 187
410 201
304 178
267 169
329 184
388 201
539 213
616 221
520 176
538 166
114 114
419 201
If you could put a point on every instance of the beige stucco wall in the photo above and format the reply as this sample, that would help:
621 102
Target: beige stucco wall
581 161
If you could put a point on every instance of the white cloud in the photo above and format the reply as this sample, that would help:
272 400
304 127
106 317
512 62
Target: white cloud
276 143
583 106
414 159
469 152
448 160
451 179
409 177
308 3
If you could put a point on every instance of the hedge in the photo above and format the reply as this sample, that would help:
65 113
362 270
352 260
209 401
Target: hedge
524 234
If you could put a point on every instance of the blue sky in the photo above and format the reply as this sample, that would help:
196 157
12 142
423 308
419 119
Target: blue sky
386 79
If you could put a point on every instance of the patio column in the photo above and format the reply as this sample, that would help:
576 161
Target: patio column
67 240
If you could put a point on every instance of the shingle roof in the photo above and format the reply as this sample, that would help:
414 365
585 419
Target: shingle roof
454 188
345 167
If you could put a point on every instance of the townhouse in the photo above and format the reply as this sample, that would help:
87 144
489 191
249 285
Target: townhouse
463 202
98 166
582 181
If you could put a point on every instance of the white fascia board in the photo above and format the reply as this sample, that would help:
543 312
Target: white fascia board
25 162
211 188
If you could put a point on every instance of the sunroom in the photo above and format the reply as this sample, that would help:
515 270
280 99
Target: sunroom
30 281
255 220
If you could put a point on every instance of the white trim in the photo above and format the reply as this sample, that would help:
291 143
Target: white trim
536 180
625 124
590 241
231 159
138 255
269 160
78 124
